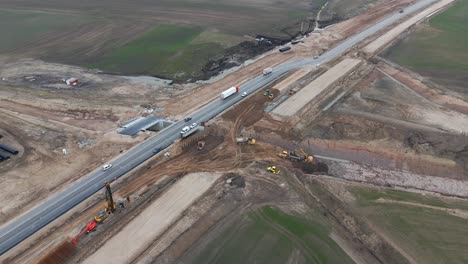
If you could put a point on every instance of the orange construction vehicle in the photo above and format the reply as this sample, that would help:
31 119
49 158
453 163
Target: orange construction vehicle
90 227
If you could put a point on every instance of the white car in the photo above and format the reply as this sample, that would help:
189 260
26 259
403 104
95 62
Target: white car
194 125
106 167
185 130
244 94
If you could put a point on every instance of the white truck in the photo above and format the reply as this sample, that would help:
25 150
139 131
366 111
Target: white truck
267 71
229 92
189 130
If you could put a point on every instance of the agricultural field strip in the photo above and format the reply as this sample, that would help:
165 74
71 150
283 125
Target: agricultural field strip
383 40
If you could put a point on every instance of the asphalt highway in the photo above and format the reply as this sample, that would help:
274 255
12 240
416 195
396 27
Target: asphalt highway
23 226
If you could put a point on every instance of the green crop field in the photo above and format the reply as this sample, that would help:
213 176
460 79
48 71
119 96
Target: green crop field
419 224
270 236
438 50
167 50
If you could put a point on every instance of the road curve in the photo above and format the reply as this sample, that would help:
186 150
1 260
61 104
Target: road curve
23 226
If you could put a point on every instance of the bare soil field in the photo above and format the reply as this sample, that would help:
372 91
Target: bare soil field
382 113
41 167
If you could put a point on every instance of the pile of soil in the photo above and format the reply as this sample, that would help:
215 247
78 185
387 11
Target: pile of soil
345 127
311 168
235 56
59 254
454 147
236 180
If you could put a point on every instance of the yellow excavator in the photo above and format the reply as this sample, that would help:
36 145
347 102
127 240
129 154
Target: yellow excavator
109 207
273 170
298 155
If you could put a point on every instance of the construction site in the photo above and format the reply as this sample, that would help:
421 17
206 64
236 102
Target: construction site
355 160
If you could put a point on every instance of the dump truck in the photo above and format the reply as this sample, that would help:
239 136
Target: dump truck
229 92
267 71
245 140
298 155
293 91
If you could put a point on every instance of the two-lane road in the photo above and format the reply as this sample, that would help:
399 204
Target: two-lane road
56 205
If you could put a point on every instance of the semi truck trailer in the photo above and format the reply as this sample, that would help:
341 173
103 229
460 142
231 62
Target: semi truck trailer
229 92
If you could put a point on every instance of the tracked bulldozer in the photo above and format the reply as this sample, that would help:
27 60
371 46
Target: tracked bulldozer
273 170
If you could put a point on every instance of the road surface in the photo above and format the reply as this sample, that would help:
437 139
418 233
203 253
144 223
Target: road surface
23 226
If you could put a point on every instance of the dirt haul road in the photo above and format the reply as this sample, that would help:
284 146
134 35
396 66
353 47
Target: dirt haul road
298 101
138 234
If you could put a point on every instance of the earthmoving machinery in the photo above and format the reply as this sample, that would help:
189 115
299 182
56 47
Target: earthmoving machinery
273 170
109 206
201 145
298 155
90 227
246 140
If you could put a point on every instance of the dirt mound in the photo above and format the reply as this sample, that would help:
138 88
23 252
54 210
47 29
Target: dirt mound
235 56
235 179
254 104
453 147
311 168
346 127
58 254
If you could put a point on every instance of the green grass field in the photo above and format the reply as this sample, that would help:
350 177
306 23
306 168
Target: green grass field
166 50
428 235
19 28
270 236
438 49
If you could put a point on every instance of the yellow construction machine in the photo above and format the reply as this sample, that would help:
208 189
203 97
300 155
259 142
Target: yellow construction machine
273 170
109 207
298 155
246 140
